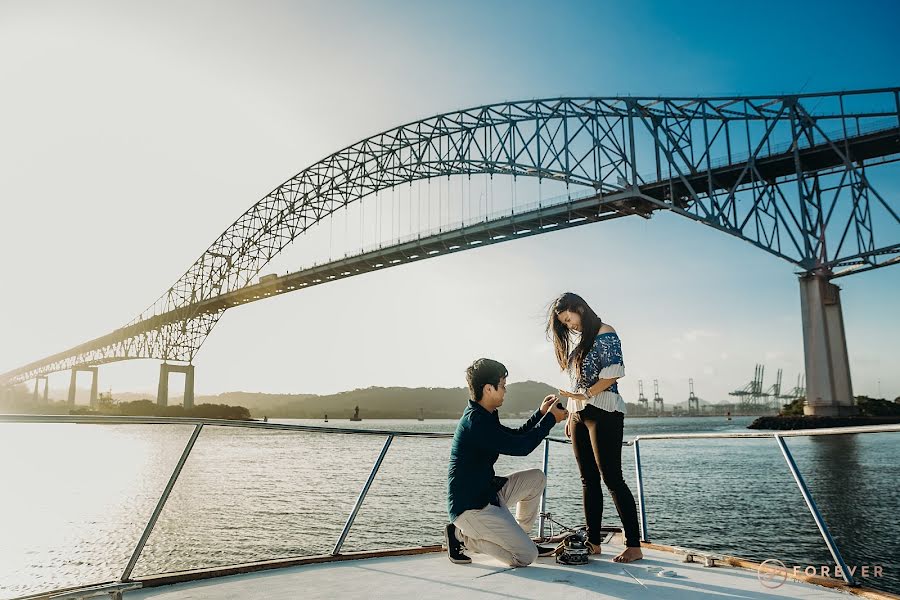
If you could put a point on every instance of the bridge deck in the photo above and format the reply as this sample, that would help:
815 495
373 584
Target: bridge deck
858 149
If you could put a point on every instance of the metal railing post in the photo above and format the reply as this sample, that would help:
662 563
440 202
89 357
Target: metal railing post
362 496
160 504
817 516
544 494
640 489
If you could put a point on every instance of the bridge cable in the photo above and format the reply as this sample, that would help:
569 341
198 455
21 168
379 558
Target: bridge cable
483 211
462 200
485 197
470 196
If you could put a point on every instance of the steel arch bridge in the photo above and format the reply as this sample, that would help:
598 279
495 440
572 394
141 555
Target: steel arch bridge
789 174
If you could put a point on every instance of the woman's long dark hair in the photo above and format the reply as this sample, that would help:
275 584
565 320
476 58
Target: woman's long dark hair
558 333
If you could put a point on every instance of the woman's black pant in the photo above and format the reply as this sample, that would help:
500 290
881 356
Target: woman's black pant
597 441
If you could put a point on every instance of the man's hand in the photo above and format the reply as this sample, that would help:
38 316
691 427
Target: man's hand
549 400
560 414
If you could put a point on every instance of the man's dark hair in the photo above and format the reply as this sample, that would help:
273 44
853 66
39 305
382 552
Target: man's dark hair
484 371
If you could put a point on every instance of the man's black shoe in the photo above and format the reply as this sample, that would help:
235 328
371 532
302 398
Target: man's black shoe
545 550
454 546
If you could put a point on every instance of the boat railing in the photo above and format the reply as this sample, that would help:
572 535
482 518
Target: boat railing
116 588
778 437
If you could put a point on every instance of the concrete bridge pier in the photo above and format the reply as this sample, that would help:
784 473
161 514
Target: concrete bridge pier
162 395
74 379
37 380
829 391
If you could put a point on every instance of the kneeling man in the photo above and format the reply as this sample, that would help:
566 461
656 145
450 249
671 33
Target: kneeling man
477 500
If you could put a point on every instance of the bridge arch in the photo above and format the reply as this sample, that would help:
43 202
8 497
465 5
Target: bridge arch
693 156
582 141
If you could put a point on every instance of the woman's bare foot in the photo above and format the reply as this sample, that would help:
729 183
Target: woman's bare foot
628 555
593 548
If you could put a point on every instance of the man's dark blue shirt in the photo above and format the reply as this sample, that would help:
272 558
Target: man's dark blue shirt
479 440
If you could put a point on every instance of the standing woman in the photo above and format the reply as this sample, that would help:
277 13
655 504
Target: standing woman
591 352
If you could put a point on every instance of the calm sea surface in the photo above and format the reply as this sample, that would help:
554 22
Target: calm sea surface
75 498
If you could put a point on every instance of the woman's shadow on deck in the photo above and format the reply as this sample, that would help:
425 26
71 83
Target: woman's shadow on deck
595 582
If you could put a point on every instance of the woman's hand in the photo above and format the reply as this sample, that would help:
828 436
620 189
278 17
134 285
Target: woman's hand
570 394
568 427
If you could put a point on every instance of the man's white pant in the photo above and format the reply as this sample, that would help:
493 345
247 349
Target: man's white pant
492 530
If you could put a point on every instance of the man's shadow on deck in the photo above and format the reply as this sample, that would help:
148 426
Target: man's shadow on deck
593 582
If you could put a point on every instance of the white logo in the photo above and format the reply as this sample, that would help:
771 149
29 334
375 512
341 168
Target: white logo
772 573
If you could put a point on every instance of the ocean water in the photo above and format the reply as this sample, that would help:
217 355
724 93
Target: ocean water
76 498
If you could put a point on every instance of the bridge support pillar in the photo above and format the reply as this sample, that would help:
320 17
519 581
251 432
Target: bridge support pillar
829 391
162 394
37 381
74 380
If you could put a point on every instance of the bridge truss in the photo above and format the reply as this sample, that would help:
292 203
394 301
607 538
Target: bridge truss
789 174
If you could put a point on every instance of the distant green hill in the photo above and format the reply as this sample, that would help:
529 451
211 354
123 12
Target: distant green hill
373 402
379 402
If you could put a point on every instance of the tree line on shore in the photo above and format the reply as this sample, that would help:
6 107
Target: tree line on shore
868 407
374 402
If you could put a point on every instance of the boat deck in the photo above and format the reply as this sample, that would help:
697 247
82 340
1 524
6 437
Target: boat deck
433 575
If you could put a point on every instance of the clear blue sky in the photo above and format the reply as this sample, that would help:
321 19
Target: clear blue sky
135 133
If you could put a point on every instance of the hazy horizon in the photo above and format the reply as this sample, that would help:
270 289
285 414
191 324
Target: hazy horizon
176 394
